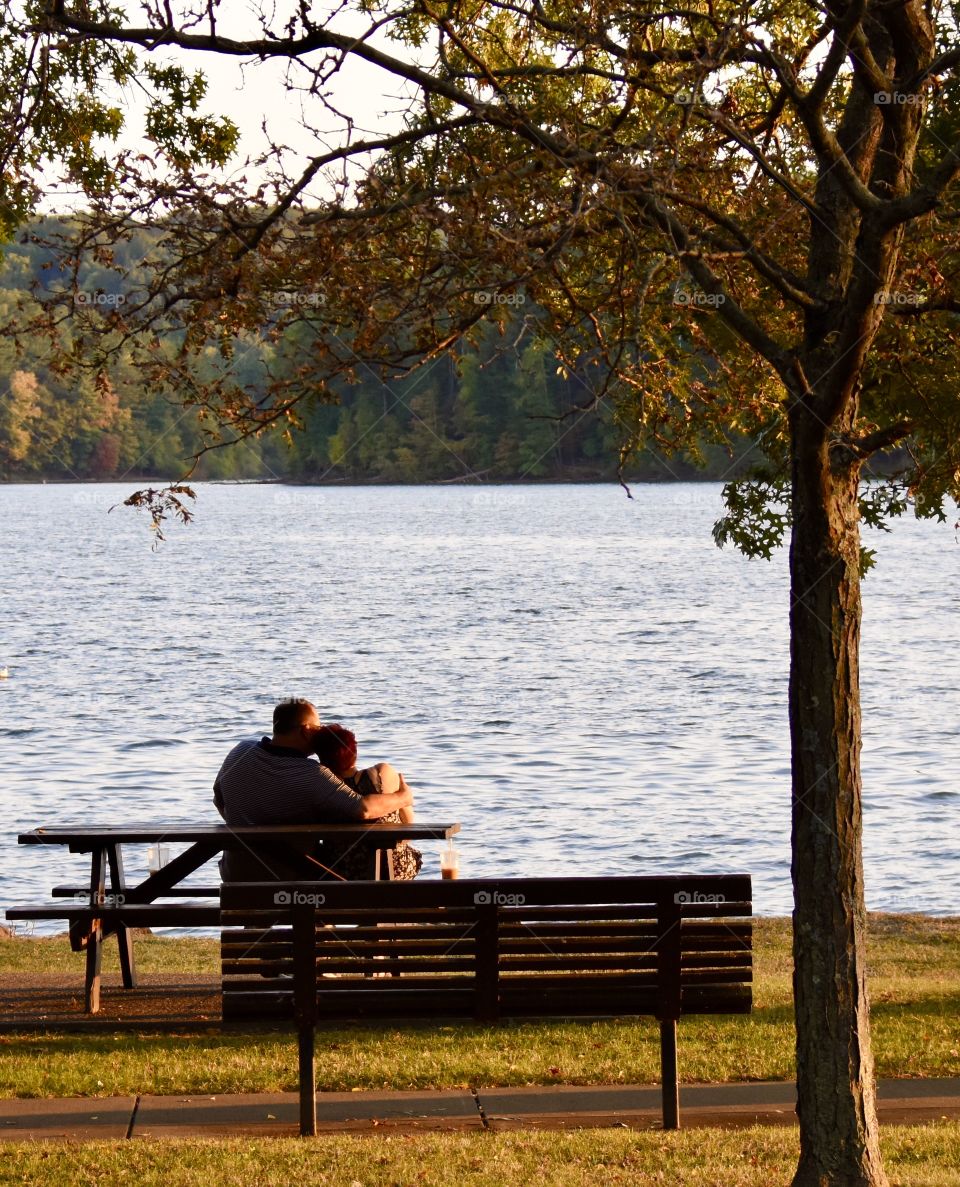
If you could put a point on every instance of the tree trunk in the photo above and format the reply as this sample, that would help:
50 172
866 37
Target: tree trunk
835 1077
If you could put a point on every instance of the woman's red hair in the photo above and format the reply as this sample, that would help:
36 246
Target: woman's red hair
336 748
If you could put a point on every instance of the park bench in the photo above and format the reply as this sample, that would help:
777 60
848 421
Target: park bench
492 950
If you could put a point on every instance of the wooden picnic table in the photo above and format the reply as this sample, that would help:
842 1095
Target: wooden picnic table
108 905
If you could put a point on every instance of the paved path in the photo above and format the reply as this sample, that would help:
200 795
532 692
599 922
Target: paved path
546 1107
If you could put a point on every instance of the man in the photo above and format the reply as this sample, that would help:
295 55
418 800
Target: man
276 781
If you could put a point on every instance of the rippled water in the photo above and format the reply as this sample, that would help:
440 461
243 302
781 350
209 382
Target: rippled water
584 681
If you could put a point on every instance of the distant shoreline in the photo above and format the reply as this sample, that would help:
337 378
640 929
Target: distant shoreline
344 482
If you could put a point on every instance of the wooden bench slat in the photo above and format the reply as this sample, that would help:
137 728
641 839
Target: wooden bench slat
604 943
431 942
406 968
410 946
696 927
700 952
353 966
530 916
629 911
722 932
358 953
352 1000
714 976
370 916
395 950
423 1008
647 890
618 983
402 966
347 950
380 923
547 962
354 945
715 960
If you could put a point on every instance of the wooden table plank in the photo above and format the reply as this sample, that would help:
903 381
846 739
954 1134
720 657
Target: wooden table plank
91 836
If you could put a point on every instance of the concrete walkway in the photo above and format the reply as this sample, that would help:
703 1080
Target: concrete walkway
545 1107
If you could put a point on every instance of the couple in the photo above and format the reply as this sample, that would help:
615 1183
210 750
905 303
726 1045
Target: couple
276 781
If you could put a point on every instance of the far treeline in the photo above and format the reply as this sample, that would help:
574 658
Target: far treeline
507 411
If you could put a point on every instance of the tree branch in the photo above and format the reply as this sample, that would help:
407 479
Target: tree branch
728 310
787 283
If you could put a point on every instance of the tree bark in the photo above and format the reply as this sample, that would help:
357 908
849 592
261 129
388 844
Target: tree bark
836 1103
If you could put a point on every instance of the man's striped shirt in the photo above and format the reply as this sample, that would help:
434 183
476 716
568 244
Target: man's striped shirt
260 783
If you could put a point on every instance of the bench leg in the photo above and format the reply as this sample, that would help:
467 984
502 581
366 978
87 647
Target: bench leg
304 922
670 1083
91 996
118 888
308 1083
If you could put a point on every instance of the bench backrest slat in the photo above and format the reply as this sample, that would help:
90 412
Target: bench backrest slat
697 891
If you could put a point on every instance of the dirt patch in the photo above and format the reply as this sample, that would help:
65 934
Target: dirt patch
50 1000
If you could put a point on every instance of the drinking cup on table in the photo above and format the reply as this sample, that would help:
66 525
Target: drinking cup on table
449 862
157 857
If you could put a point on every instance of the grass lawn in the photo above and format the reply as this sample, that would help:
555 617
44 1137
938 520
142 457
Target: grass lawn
916 1156
914 983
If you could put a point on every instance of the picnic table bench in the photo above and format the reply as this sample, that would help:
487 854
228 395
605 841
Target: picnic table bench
108 905
491 949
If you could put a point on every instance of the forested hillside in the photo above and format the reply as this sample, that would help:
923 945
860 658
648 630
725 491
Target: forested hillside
505 412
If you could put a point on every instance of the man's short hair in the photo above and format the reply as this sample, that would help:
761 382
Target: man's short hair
291 714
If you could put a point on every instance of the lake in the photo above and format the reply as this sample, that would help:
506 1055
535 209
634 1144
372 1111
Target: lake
583 680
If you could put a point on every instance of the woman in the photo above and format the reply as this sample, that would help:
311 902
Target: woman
336 747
